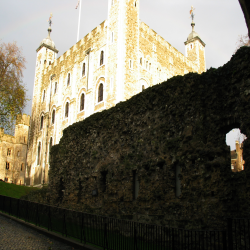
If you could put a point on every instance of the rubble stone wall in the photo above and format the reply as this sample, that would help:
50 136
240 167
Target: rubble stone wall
171 134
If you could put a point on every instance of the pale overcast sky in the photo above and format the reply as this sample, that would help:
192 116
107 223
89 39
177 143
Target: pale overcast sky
218 22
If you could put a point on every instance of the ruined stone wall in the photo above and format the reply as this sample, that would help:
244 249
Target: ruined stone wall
178 126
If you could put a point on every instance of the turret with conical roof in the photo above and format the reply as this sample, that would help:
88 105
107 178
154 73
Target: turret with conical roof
195 47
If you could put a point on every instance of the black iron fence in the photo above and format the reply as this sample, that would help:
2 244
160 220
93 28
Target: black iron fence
116 234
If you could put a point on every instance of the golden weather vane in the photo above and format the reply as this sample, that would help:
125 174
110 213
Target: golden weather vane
50 19
192 12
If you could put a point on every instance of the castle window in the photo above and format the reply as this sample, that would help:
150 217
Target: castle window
22 167
41 123
82 102
18 153
102 58
45 61
135 185
141 60
191 46
68 81
130 64
100 93
38 153
135 3
6 179
112 37
8 152
49 62
24 139
83 69
53 116
44 95
55 88
7 165
149 66
142 87
67 110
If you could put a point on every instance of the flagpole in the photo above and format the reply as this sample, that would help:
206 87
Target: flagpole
79 21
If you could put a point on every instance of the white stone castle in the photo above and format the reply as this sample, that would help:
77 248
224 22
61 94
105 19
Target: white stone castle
118 59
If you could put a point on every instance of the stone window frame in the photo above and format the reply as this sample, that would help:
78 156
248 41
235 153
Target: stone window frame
41 121
8 166
102 58
9 151
100 94
83 63
68 79
130 64
66 109
22 166
80 101
112 38
53 116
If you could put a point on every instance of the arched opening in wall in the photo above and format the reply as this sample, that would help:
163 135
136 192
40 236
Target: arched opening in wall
53 116
41 123
82 102
83 69
68 81
102 58
67 110
100 93
234 139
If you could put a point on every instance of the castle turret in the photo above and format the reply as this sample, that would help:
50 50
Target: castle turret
46 55
195 47
123 49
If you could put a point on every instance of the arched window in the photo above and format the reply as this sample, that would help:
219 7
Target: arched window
67 110
7 165
53 116
22 167
83 69
135 3
55 88
102 58
38 153
41 123
68 81
100 93
44 95
82 102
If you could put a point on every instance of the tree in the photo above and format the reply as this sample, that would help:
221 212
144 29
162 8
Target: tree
12 91
242 41
245 6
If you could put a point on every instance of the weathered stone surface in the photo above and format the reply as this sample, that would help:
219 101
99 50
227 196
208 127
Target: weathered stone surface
179 123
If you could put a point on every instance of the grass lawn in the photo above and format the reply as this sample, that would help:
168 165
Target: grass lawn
13 190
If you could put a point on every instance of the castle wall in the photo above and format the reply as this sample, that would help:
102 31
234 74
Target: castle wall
123 39
13 153
172 136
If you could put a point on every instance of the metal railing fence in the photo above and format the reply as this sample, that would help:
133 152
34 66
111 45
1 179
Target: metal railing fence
116 234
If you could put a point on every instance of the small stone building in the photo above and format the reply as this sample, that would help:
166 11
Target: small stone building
237 162
115 61
13 152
